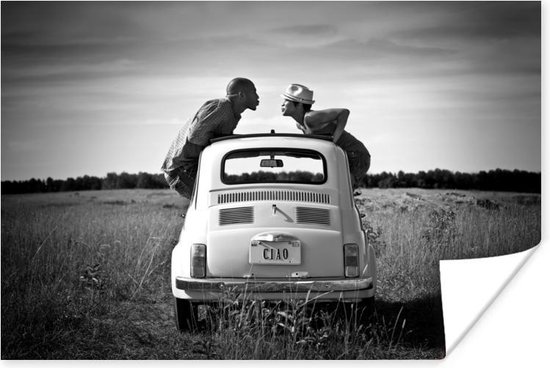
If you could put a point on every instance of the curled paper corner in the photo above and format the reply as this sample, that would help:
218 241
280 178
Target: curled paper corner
470 286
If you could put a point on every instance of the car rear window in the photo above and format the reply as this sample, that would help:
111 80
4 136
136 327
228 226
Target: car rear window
274 166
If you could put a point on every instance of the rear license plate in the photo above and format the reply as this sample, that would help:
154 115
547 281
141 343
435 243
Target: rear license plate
275 253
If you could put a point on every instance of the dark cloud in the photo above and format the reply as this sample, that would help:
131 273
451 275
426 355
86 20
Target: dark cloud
505 19
480 22
19 37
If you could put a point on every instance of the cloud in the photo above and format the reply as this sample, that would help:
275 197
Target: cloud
316 30
302 36
504 19
384 48
476 22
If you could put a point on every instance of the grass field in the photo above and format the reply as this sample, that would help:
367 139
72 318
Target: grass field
87 276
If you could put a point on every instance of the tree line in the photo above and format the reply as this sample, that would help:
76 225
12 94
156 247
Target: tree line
113 180
494 180
280 177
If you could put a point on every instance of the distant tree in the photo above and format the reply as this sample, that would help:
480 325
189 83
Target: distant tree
126 181
420 179
68 185
149 181
110 182
53 185
387 180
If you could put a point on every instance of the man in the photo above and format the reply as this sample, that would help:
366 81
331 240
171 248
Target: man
216 118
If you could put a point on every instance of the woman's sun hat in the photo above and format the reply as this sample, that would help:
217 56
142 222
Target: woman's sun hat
299 93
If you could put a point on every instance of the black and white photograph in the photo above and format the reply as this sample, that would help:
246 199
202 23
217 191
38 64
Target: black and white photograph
228 180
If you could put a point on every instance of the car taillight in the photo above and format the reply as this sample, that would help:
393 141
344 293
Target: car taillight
351 260
198 260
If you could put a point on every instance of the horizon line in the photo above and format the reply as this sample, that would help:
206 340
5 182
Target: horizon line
368 173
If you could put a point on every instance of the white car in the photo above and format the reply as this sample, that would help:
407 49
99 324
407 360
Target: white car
272 216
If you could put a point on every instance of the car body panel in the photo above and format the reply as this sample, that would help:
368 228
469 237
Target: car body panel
250 231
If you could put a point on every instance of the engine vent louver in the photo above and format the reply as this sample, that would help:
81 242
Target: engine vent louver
309 215
274 195
238 215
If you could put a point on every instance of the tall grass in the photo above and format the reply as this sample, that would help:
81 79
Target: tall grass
87 276
244 328
66 263
413 230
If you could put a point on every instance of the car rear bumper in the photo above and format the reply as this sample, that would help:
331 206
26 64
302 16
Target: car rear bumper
209 289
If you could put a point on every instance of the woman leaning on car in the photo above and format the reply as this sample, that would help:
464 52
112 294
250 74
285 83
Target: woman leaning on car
297 104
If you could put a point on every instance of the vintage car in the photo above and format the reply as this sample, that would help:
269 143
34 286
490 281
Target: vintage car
272 216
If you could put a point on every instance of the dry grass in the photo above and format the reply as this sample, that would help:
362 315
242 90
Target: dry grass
86 276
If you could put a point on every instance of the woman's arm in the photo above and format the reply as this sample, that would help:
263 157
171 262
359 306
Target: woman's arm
319 118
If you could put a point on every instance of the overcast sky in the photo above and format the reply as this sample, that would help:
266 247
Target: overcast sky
90 88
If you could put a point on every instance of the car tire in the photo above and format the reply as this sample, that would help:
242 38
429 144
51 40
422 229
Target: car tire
186 315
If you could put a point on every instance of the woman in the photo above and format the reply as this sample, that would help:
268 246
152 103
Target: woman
331 122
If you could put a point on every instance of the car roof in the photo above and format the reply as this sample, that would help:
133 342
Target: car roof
222 145
271 135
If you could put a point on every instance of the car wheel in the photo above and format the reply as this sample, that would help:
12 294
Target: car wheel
186 315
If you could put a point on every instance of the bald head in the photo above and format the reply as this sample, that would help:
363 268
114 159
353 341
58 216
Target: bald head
239 85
